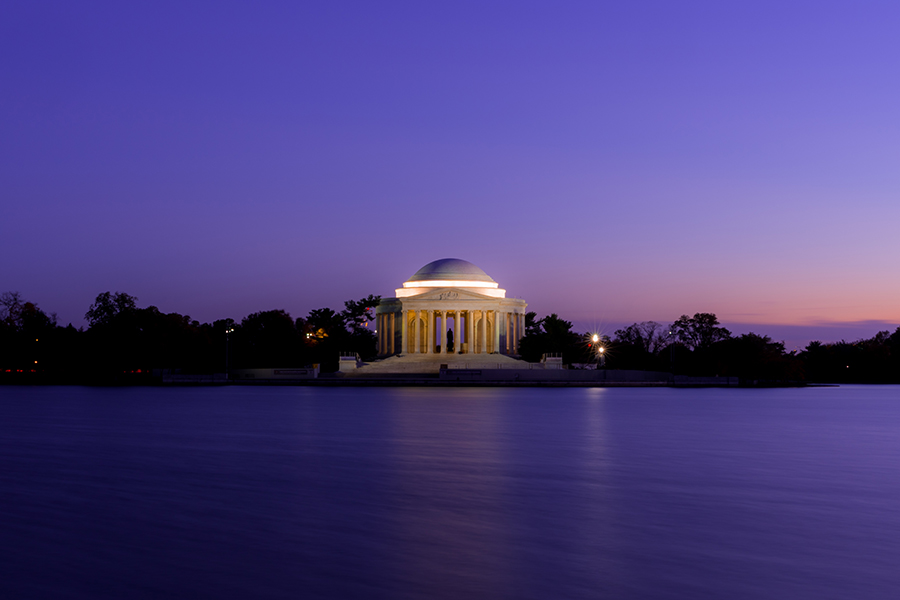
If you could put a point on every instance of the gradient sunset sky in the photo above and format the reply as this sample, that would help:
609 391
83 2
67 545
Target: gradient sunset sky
608 161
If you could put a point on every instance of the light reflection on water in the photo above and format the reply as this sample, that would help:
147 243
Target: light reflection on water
446 493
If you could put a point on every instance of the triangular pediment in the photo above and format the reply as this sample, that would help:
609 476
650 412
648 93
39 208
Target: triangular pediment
450 294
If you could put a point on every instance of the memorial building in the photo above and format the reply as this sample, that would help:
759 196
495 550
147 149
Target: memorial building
450 307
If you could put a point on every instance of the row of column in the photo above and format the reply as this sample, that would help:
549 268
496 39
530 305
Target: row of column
385 325
411 340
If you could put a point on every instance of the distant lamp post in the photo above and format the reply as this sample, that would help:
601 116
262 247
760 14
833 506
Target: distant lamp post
595 344
671 352
228 333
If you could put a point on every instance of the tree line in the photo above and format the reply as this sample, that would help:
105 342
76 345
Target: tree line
123 342
700 346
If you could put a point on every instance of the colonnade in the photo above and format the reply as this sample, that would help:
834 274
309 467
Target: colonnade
481 333
386 326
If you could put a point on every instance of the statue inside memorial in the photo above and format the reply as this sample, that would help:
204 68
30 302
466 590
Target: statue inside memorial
449 340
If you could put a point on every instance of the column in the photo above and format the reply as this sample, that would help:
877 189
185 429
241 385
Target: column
506 326
484 332
515 333
518 334
470 331
497 317
379 333
443 332
393 329
415 346
520 329
404 341
429 332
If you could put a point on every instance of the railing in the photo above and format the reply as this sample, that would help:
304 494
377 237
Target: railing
502 366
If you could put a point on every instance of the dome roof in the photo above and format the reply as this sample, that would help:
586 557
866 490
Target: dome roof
450 269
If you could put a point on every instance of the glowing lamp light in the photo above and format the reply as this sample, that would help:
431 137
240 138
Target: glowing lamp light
601 350
595 338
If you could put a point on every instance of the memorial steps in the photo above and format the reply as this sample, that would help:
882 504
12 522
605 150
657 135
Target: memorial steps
431 363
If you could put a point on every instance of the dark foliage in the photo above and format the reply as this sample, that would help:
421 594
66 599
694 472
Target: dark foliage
698 346
124 343
552 335
754 358
873 360
127 344
700 331
639 346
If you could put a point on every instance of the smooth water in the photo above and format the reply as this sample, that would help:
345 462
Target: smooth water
294 492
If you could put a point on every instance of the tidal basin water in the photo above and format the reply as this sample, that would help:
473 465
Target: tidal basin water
294 492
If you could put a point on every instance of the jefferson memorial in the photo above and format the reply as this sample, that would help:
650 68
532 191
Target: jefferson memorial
450 307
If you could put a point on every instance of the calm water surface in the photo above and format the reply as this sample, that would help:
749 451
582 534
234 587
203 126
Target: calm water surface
449 493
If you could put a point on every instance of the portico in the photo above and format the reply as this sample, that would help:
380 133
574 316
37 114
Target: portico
450 306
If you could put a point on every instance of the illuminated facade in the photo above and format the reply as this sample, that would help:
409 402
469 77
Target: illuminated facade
450 306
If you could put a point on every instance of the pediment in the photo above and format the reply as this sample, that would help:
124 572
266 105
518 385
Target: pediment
450 294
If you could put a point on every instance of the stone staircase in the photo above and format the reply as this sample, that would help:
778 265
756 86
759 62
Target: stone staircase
431 364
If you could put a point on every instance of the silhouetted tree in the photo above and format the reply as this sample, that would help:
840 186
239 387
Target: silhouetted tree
268 339
325 323
28 336
551 334
637 347
532 324
700 331
872 360
648 336
10 309
358 314
756 359
108 307
330 332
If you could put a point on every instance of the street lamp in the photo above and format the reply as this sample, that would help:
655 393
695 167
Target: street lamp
228 333
595 344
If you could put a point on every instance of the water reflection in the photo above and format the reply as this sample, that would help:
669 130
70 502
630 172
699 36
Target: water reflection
449 516
499 493
442 493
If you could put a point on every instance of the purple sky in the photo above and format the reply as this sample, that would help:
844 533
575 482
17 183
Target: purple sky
611 162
